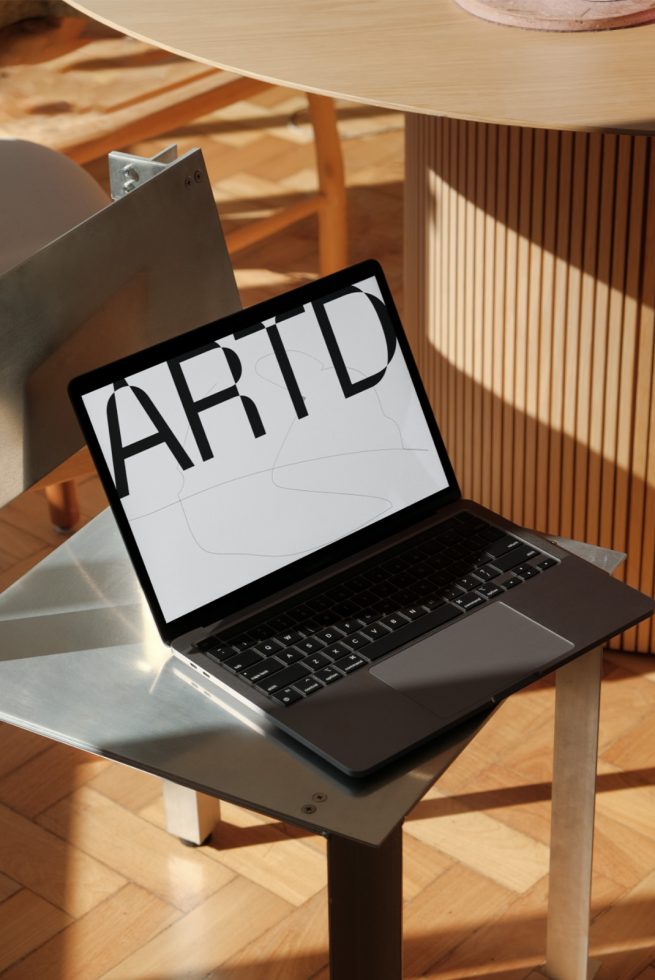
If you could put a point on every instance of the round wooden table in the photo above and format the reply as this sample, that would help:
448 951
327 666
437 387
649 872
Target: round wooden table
529 234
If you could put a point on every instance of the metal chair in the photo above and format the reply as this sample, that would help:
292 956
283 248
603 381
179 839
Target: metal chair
84 280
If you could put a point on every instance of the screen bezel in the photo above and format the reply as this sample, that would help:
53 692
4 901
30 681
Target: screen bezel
295 571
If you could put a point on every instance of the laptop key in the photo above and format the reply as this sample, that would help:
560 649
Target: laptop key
288 696
242 660
268 648
283 678
316 661
511 583
469 582
330 635
310 645
414 612
328 675
469 601
490 590
336 650
517 556
526 571
339 593
289 638
241 643
468 519
546 563
489 533
355 641
442 615
375 631
221 653
395 621
260 632
432 602
208 643
487 572
308 685
366 618
351 663
290 656
257 672
281 623
503 545
453 593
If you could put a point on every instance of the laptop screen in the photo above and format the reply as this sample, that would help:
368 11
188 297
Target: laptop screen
254 449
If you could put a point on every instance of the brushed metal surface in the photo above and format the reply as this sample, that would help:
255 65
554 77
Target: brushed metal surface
146 267
81 662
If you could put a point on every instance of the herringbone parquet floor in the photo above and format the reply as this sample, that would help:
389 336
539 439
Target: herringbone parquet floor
90 884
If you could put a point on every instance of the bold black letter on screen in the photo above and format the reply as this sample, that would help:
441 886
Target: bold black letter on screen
354 387
194 408
120 453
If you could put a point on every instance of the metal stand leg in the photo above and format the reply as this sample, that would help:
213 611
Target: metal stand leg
365 908
577 705
190 816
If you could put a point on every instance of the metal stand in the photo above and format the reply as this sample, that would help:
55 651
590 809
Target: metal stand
190 816
365 908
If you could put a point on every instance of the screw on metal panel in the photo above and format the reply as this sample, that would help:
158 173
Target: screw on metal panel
187 182
130 173
308 808
319 797
197 176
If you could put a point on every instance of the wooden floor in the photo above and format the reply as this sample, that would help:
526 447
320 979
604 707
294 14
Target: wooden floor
90 884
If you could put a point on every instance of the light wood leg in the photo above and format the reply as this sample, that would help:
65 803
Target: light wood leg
577 705
64 504
190 816
332 221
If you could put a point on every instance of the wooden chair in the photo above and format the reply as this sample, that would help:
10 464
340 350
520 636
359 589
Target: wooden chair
144 92
136 92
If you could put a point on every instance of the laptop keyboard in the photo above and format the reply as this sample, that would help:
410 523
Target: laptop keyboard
448 571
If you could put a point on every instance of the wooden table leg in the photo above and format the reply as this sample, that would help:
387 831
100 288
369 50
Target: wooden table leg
190 816
365 908
577 705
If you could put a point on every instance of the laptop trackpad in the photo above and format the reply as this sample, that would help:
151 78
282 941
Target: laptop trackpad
468 663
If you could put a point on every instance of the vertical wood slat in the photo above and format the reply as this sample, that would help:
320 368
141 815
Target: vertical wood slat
532 255
548 299
534 329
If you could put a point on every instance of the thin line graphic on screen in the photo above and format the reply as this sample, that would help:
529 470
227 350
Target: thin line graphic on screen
269 469
276 466
276 470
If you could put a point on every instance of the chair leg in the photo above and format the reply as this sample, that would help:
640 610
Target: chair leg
332 221
64 504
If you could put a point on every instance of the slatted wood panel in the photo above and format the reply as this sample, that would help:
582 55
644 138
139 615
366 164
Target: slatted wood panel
534 331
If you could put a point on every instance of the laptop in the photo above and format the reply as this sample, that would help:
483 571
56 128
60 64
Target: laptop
290 509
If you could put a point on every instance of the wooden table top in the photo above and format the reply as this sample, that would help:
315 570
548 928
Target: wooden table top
427 56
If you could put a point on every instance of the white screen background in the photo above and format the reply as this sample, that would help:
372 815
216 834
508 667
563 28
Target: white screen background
261 503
